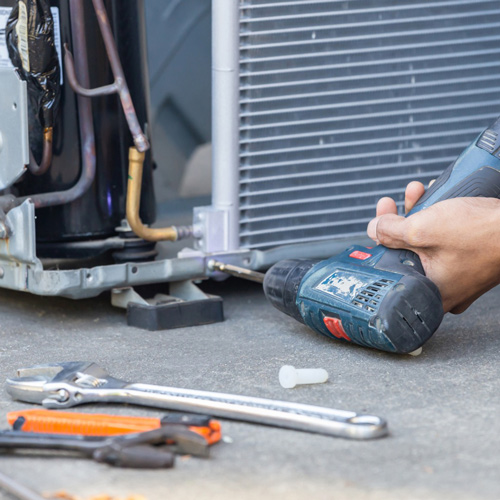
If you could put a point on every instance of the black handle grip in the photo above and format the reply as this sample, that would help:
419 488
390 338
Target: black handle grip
137 457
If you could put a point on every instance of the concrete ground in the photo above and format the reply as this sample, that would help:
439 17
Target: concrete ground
442 407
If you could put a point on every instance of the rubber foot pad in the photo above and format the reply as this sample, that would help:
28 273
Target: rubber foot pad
175 314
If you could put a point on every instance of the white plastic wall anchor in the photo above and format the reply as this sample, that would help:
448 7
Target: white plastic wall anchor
416 352
289 376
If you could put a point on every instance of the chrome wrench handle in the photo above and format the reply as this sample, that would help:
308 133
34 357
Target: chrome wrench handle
90 384
266 411
234 407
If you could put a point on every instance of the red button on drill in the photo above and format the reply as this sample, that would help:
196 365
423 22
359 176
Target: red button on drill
335 327
360 255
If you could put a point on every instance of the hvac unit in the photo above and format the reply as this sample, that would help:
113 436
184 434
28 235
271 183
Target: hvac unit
319 107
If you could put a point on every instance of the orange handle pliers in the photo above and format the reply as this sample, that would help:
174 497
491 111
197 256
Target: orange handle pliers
96 424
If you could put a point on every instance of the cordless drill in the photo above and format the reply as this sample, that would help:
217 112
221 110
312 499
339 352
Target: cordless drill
379 297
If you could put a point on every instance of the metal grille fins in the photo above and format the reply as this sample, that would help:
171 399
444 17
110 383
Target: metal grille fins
342 102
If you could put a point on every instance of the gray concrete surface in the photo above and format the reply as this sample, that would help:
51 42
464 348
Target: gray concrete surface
442 407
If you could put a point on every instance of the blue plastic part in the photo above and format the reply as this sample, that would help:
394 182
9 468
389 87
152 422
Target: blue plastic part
351 290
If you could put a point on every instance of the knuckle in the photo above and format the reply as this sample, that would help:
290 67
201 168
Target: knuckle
383 229
414 233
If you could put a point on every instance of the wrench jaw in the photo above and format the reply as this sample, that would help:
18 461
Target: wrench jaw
37 390
47 372
60 385
56 371
28 389
29 385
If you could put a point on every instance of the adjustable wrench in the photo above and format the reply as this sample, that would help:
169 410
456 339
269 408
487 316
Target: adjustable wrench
64 385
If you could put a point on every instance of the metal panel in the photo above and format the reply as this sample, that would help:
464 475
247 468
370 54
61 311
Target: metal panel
14 147
342 102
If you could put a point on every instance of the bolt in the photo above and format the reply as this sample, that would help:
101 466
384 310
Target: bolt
4 233
124 227
62 395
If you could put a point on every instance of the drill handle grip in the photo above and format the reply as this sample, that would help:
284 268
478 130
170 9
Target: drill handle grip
475 173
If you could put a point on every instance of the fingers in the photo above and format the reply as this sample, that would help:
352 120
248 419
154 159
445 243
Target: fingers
385 206
371 230
414 192
460 308
464 305
390 230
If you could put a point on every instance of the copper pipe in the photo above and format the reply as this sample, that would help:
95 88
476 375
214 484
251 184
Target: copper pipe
75 84
172 233
119 86
140 140
33 166
85 121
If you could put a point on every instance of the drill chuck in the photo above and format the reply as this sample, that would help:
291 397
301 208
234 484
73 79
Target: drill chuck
281 284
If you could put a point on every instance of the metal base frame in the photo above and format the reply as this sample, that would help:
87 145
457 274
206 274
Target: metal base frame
22 270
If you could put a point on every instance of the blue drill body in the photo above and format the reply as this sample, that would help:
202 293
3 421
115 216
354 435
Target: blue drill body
340 297
379 297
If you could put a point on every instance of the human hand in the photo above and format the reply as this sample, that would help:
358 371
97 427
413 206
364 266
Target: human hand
457 240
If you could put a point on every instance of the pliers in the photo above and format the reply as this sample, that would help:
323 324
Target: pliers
99 424
145 450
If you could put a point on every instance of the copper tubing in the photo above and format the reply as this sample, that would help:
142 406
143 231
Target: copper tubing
119 86
33 166
85 121
140 140
75 84
135 166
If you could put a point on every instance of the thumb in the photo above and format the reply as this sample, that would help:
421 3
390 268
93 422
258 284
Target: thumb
390 230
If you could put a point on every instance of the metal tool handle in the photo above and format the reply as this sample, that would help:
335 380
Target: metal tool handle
250 409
